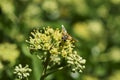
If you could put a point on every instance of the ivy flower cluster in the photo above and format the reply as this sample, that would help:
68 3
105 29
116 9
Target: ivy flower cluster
49 46
75 61
8 53
22 72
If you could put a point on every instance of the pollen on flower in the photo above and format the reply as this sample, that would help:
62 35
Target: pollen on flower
54 51
64 53
49 30
57 35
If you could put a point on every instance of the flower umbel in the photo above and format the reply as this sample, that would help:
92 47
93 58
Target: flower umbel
55 48
22 72
76 62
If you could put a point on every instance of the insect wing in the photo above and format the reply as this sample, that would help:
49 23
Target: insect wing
66 35
64 30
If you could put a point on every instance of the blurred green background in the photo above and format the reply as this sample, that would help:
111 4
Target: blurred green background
94 23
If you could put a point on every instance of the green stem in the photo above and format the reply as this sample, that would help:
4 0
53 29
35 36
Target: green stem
45 67
58 69
26 78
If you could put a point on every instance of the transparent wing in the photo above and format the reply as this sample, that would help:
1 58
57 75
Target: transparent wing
63 29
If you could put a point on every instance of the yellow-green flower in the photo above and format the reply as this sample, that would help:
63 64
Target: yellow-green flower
50 42
22 72
57 35
9 52
54 50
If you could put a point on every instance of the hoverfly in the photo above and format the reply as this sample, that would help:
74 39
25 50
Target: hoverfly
66 36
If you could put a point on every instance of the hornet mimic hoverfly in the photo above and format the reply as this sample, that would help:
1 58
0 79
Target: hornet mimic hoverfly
66 36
